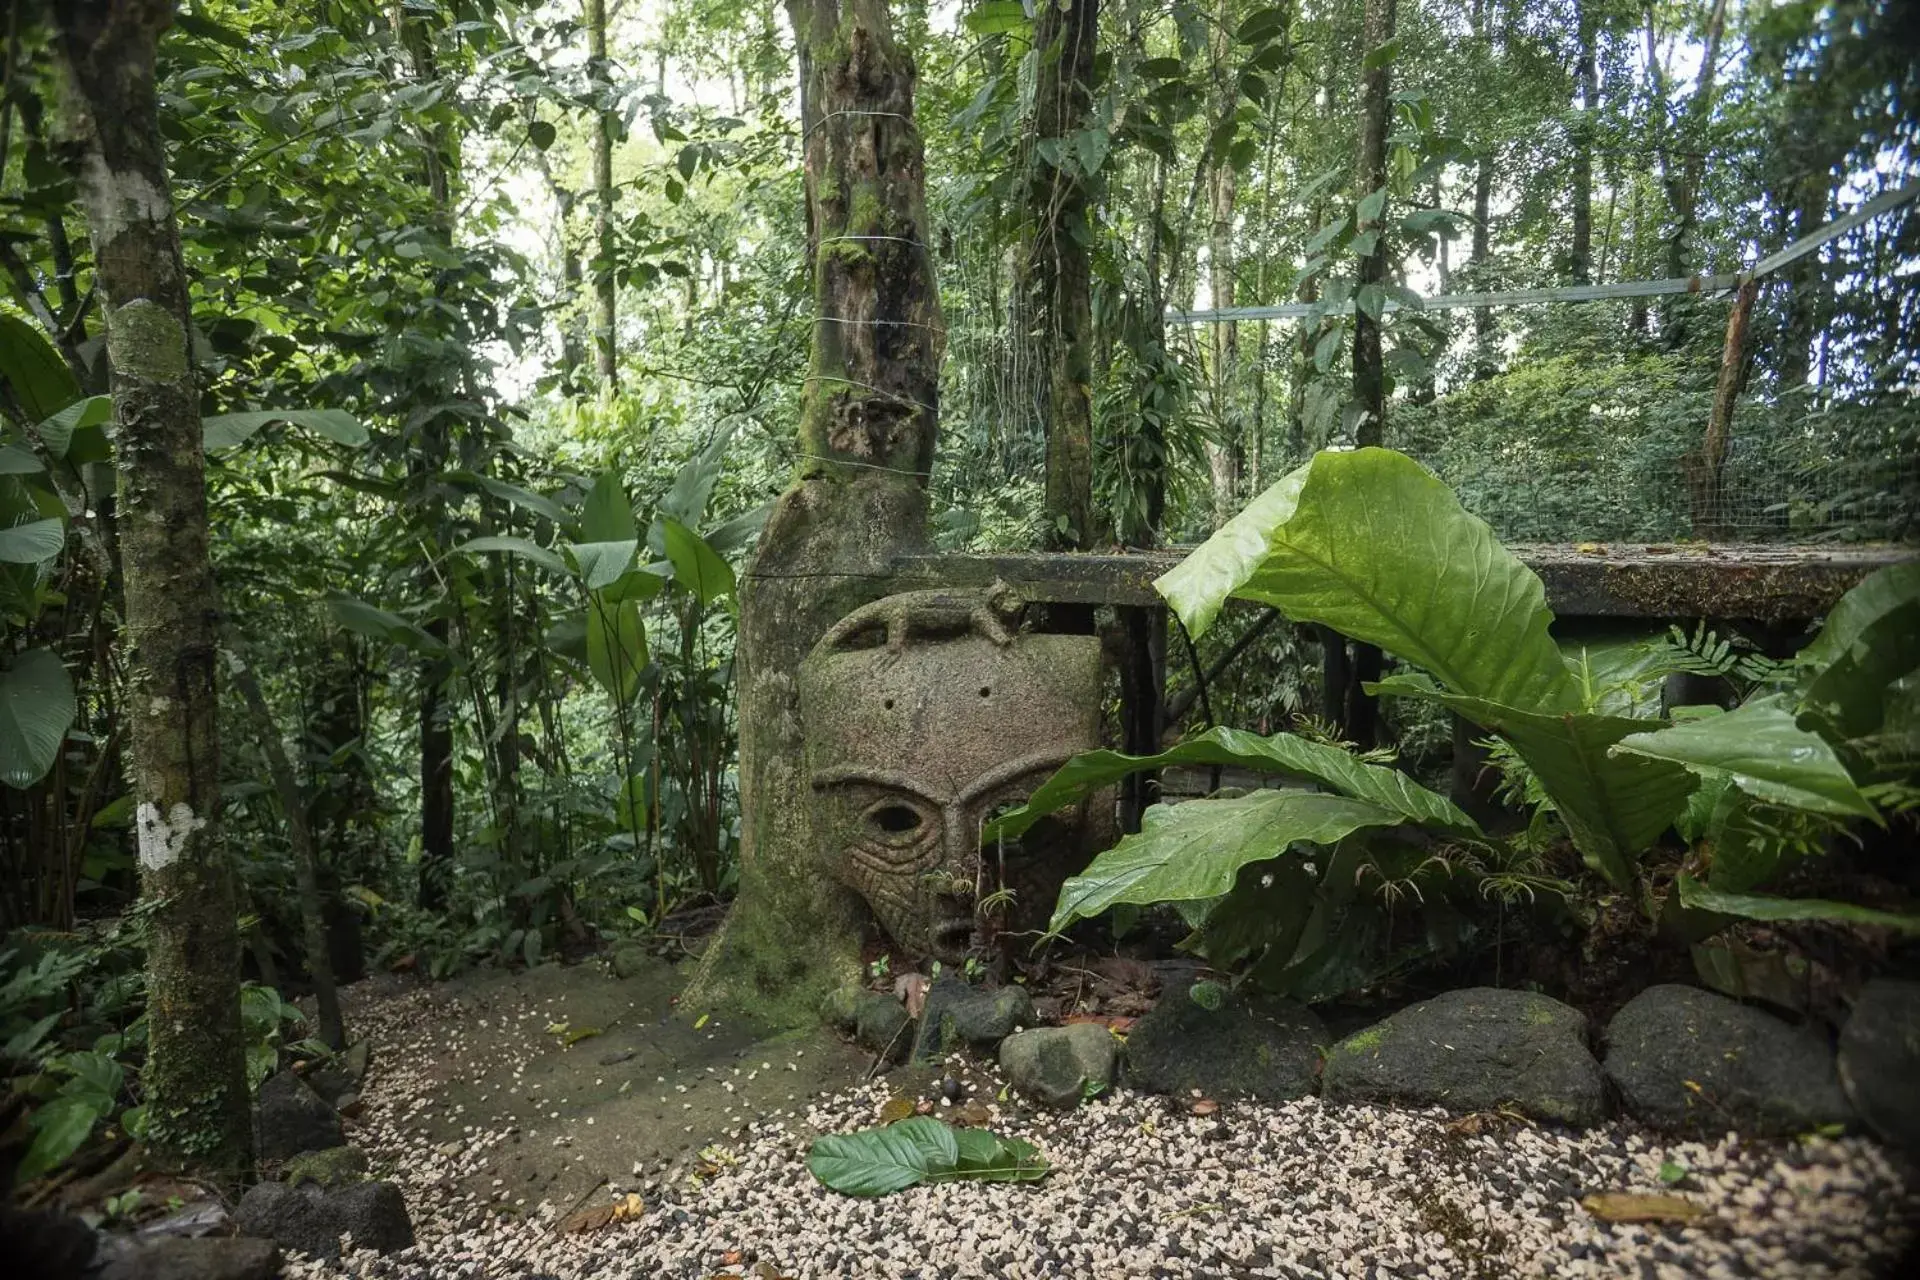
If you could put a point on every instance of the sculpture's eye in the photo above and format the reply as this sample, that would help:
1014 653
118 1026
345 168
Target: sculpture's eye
895 819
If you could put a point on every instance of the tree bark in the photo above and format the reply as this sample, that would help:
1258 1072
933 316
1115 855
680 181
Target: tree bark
1067 34
1481 248
1586 74
1708 520
306 872
604 284
1683 161
1226 457
195 1078
866 443
1806 285
1357 711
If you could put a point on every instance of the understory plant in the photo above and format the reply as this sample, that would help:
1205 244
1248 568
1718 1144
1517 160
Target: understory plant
1295 887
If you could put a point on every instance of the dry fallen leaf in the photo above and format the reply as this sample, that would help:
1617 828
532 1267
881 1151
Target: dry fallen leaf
1632 1206
1118 1025
767 1271
911 988
594 1217
973 1115
898 1107
1205 1107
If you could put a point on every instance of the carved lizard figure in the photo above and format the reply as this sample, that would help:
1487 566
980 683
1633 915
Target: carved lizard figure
993 612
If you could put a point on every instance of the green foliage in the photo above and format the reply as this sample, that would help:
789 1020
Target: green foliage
1371 544
880 1161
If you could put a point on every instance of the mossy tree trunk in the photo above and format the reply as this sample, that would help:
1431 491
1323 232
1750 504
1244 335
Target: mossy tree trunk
197 1106
859 498
1226 457
600 74
1356 712
1067 34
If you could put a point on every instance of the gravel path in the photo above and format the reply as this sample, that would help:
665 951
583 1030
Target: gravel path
1141 1187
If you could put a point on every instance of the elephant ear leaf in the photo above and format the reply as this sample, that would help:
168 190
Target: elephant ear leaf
1372 544
1613 806
36 709
1762 748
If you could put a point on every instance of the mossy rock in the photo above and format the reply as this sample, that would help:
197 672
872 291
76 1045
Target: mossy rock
334 1167
1246 1048
1480 1049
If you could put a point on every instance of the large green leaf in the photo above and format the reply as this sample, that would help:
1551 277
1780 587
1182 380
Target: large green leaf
1194 850
33 370
1880 593
1760 906
696 566
616 647
521 547
1766 753
1371 544
1850 693
876 1162
608 516
1620 675
59 1128
36 710
75 433
32 542
18 460
600 564
1614 806
230 430
381 624
1282 753
686 498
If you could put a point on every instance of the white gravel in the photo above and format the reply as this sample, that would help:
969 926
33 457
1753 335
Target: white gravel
1141 1187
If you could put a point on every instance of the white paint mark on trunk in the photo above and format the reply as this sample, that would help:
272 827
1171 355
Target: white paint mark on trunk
163 840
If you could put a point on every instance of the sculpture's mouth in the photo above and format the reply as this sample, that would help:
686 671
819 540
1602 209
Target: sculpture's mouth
950 936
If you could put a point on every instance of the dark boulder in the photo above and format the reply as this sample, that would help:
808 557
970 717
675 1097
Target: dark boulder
1060 1066
1479 1049
292 1118
1879 1060
957 1016
203 1258
1690 1061
1249 1047
312 1219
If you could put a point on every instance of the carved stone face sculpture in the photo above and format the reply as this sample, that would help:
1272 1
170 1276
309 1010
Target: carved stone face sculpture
925 713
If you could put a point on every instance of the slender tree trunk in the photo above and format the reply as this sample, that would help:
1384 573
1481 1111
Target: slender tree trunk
196 1088
1805 283
1481 248
1683 158
1226 457
599 72
1067 34
1708 519
866 444
1358 714
436 673
1370 182
306 872
1586 74
1477 269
